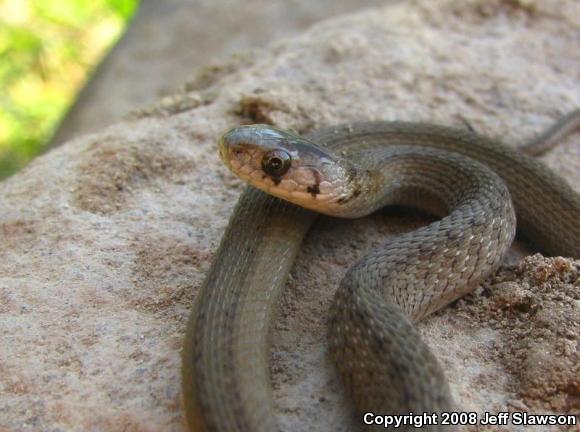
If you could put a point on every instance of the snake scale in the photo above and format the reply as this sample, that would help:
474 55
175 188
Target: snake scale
350 171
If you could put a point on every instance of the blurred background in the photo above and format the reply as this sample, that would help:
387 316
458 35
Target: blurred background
71 67
47 50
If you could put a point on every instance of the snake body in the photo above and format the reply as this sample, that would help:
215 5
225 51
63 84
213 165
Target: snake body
351 170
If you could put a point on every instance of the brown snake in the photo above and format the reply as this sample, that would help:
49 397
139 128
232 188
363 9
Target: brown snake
352 170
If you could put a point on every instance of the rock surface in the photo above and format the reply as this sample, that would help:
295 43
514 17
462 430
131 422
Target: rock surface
106 240
168 40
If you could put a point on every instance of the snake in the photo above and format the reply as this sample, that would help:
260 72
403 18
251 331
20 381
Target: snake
475 186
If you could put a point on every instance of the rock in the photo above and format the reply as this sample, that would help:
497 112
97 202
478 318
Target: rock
106 240
166 41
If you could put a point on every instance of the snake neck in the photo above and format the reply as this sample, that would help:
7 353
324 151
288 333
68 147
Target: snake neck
410 176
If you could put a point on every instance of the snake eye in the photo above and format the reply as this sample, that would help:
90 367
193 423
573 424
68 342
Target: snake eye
276 163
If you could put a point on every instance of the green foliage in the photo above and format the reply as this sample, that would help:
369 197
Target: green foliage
47 50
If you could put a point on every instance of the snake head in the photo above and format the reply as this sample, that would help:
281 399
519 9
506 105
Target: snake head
287 166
